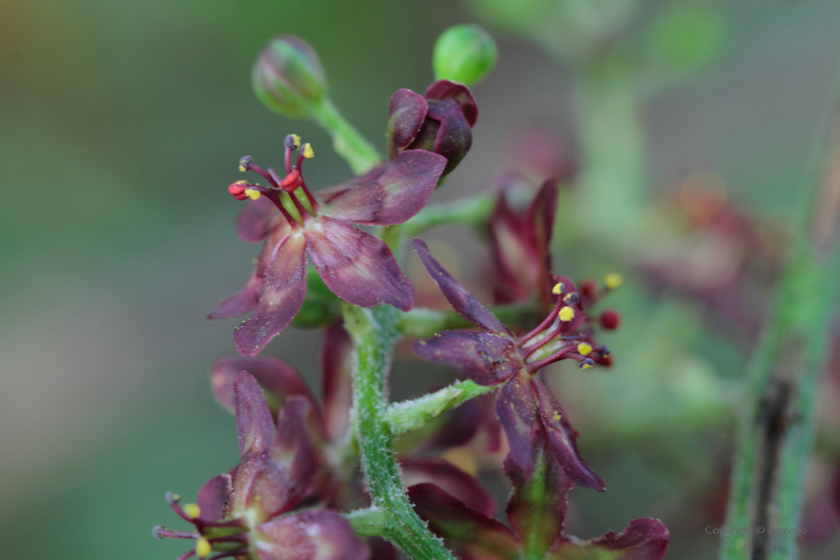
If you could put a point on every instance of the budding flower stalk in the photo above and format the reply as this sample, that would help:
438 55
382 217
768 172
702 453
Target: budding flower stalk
288 77
465 54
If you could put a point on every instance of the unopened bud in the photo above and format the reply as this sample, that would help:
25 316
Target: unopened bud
610 319
464 53
288 77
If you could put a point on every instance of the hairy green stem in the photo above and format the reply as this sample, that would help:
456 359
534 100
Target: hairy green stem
416 413
776 433
422 322
374 333
369 522
347 141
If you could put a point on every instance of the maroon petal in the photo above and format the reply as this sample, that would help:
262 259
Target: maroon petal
213 497
643 539
337 366
253 417
277 378
453 138
358 267
257 220
406 113
391 197
285 289
444 89
562 437
450 478
485 358
314 534
537 506
513 255
241 302
517 413
462 301
540 225
469 533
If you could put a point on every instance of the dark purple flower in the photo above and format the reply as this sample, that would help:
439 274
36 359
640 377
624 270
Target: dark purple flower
358 267
249 510
536 512
519 245
440 121
496 357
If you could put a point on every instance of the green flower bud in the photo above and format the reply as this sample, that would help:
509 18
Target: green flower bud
288 77
464 54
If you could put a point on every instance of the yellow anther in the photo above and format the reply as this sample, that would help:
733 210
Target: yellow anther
241 182
296 138
242 168
192 510
613 280
203 547
586 365
253 194
308 152
558 289
566 314
584 348
557 416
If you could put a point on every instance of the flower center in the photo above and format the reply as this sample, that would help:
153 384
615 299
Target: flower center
557 337
290 194
228 538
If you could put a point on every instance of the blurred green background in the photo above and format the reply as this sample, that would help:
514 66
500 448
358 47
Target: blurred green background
121 124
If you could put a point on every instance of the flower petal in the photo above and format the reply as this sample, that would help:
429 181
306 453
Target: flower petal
537 506
453 138
358 267
451 479
562 437
314 534
406 113
277 378
462 301
643 539
241 302
337 366
213 497
512 253
468 532
485 358
285 282
257 220
253 417
444 89
517 413
388 195
540 226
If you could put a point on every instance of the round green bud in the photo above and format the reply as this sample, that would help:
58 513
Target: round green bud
464 54
288 77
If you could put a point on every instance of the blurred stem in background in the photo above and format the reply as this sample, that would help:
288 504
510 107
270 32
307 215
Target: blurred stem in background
777 427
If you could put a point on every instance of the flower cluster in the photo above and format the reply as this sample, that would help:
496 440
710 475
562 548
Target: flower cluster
299 474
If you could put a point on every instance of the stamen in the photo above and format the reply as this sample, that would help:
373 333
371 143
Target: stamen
584 348
308 152
192 510
292 141
586 363
253 194
571 298
160 532
566 314
557 416
558 289
203 548
245 163
613 280
187 555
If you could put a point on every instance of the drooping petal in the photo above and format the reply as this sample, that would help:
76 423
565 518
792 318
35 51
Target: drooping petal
517 413
461 300
285 282
459 426
213 497
450 478
271 482
406 113
643 539
540 225
277 378
358 267
485 358
444 89
563 439
257 220
391 197
513 255
253 417
537 506
241 302
468 532
314 534
337 367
